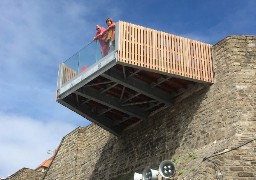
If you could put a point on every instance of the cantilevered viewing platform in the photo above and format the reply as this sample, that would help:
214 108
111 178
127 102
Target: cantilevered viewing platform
147 70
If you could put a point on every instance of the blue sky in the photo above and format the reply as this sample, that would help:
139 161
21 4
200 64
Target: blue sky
36 36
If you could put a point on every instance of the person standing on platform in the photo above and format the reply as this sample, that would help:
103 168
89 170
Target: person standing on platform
110 34
101 36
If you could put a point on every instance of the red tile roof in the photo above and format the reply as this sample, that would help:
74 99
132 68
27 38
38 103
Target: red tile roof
46 163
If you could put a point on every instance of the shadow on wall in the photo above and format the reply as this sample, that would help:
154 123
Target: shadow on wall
150 142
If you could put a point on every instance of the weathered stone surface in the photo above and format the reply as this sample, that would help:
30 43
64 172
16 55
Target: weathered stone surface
236 168
26 174
245 174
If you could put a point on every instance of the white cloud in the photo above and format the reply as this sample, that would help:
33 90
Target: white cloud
35 36
34 33
24 141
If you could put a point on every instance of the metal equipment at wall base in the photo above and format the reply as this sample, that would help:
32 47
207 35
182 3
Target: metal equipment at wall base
167 169
137 176
150 174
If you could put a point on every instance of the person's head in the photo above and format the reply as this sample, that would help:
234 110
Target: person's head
109 21
98 28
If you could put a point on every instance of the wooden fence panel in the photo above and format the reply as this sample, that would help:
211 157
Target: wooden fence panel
67 73
164 52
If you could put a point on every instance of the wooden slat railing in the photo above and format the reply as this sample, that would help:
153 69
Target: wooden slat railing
164 52
67 73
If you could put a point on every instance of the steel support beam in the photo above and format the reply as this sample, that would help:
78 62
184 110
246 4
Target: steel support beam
108 88
138 86
131 97
159 81
134 73
96 84
122 120
104 111
139 103
110 101
122 94
86 112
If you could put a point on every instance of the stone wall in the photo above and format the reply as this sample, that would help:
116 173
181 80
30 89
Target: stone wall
78 153
26 174
64 161
209 134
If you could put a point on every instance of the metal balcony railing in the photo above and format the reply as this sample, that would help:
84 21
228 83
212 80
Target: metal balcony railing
147 48
79 62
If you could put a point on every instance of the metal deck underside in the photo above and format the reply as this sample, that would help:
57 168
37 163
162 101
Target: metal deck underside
117 96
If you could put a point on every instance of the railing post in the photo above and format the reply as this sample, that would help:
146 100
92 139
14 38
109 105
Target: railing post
154 48
60 76
117 36
78 63
96 47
